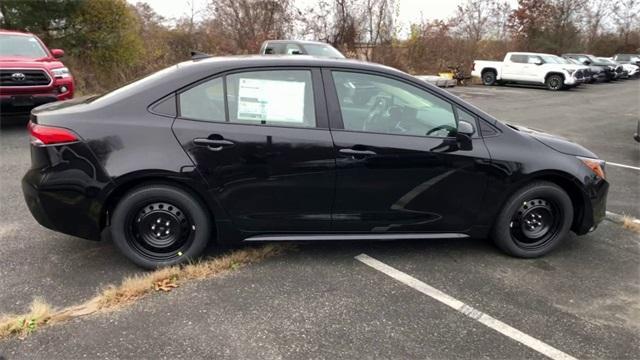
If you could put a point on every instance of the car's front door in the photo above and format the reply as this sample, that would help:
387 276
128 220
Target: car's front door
265 149
400 167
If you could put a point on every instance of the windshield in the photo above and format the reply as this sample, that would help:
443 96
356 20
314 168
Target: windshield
21 45
323 50
550 59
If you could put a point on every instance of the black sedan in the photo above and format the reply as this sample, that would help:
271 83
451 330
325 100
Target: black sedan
242 149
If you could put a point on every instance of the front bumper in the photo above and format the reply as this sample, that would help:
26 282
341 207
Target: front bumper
595 207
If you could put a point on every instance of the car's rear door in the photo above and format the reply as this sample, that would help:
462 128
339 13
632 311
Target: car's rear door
399 166
265 148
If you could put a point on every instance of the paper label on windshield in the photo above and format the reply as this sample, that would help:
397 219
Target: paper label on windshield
271 100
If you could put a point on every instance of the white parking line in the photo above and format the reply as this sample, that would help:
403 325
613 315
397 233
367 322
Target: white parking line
623 165
467 310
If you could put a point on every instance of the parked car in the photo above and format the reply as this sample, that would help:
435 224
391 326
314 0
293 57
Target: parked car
528 68
271 148
594 73
633 59
297 47
631 70
590 60
30 74
621 73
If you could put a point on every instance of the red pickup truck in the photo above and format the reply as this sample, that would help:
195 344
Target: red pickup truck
30 74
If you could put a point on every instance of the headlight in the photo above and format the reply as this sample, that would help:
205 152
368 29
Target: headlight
596 165
62 72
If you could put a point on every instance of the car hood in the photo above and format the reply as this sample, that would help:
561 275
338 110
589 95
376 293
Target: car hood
555 142
15 62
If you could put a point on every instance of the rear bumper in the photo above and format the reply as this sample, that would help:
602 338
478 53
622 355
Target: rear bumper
62 189
62 210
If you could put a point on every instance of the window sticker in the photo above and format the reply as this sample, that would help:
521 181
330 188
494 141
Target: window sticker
271 100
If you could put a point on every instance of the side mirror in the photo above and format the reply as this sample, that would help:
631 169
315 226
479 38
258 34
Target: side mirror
587 62
466 128
538 62
57 53
463 137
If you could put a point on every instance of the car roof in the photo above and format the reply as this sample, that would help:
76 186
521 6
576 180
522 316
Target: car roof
242 61
531 53
280 41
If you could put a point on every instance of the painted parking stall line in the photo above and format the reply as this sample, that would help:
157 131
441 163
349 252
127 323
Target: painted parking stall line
465 309
623 165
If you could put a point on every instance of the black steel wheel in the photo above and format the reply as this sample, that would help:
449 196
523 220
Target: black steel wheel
534 220
160 225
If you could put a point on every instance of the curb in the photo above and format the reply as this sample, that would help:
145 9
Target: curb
619 219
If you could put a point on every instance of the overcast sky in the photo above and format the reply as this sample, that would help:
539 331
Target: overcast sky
410 10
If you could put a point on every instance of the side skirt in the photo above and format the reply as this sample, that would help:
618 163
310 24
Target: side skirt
329 237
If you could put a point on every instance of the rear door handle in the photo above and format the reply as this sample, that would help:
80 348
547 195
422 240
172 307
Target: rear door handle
213 144
354 152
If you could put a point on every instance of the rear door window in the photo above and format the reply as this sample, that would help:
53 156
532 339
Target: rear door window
204 101
274 97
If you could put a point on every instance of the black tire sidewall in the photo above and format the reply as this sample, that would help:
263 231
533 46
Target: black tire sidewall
150 193
492 79
502 236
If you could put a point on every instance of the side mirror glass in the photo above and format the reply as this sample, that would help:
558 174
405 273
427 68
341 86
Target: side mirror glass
57 53
466 128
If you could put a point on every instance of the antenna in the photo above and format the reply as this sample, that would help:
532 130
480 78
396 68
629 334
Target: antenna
197 55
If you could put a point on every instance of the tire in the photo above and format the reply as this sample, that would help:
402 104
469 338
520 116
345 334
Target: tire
160 225
554 82
489 78
534 220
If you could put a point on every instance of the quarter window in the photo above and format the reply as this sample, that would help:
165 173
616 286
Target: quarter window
204 101
279 97
374 103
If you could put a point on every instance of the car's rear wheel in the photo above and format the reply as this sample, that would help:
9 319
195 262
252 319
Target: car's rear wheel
555 82
489 78
160 225
534 220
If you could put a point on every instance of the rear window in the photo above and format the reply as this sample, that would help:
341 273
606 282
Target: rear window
519 58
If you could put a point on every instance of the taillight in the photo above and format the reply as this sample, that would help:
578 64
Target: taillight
49 135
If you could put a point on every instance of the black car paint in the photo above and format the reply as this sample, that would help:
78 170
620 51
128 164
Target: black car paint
280 180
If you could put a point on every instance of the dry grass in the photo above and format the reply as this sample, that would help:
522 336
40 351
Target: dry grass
131 289
632 224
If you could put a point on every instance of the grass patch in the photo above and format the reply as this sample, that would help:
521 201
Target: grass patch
132 288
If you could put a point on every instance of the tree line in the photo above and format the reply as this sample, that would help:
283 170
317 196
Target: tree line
111 42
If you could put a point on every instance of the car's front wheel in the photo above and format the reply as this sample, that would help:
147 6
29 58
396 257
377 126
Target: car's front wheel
160 225
555 82
534 220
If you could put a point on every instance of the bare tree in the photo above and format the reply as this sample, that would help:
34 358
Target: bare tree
249 22
626 15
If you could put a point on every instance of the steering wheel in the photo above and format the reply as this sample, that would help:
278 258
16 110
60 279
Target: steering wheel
449 128
380 106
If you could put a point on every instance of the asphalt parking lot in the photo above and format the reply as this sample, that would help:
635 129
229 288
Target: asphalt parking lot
319 301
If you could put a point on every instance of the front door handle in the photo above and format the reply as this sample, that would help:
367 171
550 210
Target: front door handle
213 144
354 152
